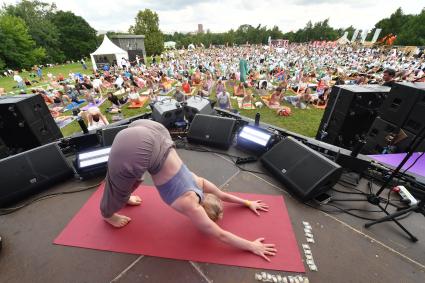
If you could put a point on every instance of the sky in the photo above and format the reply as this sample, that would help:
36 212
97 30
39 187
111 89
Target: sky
223 15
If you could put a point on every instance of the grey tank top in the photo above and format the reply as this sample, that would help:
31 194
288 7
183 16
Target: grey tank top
179 184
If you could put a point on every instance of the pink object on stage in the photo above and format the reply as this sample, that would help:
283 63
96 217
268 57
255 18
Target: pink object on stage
157 230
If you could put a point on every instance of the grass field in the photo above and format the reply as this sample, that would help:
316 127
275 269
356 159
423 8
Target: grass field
305 122
8 83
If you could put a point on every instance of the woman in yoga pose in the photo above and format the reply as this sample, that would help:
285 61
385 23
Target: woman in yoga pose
147 146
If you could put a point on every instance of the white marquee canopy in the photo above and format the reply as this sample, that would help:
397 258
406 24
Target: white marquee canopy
109 50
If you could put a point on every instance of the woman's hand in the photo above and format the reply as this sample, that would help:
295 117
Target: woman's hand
263 250
257 205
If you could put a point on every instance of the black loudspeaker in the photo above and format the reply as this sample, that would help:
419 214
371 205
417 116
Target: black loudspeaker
401 99
380 135
403 144
211 130
416 120
167 112
109 133
31 171
349 113
303 171
26 122
197 105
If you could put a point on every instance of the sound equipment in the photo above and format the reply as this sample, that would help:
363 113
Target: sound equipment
167 112
109 133
401 99
416 120
349 113
31 171
211 130
403 145
26 122
381 134
303 171
197 105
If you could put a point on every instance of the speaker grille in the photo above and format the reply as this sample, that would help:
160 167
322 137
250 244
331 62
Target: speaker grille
303 171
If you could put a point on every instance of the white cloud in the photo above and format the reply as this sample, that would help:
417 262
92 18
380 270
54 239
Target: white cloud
222 15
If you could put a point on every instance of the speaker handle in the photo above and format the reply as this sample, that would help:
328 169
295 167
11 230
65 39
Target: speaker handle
164 100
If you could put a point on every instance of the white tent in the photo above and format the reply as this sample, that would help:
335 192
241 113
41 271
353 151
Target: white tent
109 51
343 39
169 45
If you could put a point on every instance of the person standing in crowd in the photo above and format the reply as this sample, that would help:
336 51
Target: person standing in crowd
388 77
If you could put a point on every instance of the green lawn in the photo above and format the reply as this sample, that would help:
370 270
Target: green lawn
8 83
305 122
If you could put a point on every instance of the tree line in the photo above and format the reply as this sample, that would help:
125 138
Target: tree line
408 28
33 32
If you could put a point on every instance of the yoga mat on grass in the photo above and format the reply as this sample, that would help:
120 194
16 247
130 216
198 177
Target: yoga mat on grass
143 100
98 103
245 105
73 105
158 230
66 122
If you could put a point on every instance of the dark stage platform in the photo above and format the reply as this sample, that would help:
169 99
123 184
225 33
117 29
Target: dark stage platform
344 251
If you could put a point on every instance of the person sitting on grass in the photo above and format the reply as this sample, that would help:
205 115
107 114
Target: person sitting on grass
223 99
186 86
147 146
134 96
275 98
239 90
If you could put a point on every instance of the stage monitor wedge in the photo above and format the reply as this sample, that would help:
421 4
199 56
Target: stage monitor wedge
31 171
211 130
303 171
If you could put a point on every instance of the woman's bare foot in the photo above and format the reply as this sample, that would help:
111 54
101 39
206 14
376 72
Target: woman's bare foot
134 200
118 220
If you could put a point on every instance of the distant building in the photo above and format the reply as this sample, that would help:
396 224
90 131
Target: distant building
133 44
200 28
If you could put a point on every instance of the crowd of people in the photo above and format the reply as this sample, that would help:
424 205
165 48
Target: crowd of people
299 75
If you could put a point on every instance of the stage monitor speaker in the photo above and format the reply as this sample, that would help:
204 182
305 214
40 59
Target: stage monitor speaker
211 130
26 122
303 171
380 136
197 105
416 120
167 112
400 101
31 171
349 113
405 139
109 133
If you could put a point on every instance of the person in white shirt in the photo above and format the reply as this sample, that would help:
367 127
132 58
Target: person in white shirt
18 79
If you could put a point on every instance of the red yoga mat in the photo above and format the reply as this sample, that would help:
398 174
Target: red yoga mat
158 230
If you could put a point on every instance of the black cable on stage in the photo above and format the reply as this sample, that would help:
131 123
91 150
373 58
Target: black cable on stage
414 162
347 211
200 149
9 210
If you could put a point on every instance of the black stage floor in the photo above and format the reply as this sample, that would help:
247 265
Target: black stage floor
344 250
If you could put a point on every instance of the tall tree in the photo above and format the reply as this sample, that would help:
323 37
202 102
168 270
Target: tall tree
17 49
36 15
393 24
78 38
413 32
147 24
